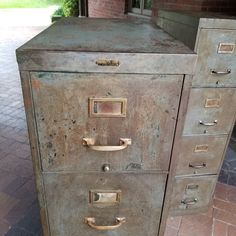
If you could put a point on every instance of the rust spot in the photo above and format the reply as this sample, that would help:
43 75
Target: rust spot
36 84
135 166
50 160
49 145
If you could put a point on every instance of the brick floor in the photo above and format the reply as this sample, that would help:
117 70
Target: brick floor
228 170
220 220
19 212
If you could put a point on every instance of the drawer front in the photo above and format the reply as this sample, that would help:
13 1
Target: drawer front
87 120
84 196
216 64
192 194
127 63
200 154
210 111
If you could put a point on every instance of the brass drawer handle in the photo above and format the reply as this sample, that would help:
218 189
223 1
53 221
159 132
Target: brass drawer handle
189 201
91 222
197 166
124 143
107 62
228 71
208 123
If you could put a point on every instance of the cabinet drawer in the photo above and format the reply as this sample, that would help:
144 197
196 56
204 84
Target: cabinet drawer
210 111
200 154
140 202
192 194
216 65
83 118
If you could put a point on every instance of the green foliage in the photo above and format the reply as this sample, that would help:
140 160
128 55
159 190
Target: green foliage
71 7
59 12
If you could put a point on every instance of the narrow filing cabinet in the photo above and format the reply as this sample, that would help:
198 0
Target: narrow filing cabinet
103 99
200 146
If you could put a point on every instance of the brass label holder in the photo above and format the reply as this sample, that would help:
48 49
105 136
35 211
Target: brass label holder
107 62
226 48
104 198
212 102
107 107
201 148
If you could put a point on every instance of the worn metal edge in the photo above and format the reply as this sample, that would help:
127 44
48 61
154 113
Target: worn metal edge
175 150
32 131
86 62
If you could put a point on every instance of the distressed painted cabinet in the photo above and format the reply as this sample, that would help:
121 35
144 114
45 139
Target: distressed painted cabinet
200 147
103 100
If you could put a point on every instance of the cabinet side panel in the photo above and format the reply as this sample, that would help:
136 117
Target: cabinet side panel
175 151
32 130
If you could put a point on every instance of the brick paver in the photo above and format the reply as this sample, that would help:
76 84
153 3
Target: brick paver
19 213
220 220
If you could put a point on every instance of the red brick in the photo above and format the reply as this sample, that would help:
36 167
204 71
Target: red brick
219 228
4 227
209 213
224 216
107 8
225 206
194 5
221 191
231 194
196 225
6 204
174 222
171 232
231 230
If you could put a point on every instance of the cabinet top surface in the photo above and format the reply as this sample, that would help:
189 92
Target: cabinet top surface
105 35
201 19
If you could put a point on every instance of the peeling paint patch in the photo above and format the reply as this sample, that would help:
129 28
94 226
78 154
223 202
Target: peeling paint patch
135 166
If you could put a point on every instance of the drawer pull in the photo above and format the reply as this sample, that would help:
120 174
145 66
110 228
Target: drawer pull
189 201
124 143
197 166
228 71
91 222
208 123
107 63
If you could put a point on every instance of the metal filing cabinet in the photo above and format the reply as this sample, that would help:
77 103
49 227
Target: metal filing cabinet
201 143
102 99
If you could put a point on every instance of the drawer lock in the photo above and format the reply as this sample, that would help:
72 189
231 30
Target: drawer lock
91 222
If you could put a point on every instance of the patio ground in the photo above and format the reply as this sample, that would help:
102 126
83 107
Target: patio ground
19 212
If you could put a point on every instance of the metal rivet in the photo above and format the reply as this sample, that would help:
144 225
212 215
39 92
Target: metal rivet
106 167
